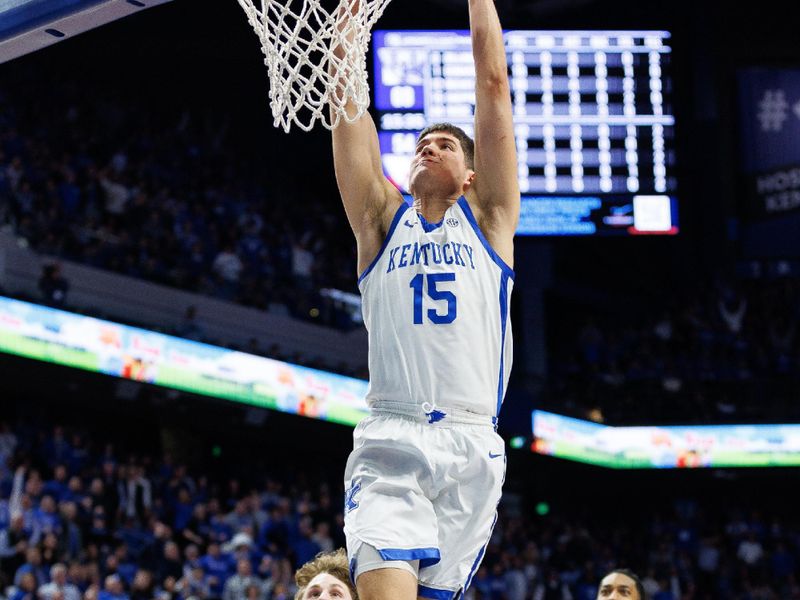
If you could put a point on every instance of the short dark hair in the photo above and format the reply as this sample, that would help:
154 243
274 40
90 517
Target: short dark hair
467 144
628 573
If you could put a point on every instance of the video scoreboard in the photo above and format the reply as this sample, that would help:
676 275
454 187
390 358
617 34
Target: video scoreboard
592 118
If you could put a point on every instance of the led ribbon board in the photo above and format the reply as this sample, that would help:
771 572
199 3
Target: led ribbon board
669 447
71 340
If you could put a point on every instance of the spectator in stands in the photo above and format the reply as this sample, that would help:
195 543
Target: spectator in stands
228 267
750 550
57 487
113 589
8 444
551 587
218 567
621 583
46 518
182 510
327 574
53 285
242 546
304 546
302 264
117 194
126 567
25 588
197 529
32 565
254 592
143 586
732 309
13 544
99 533
71 539
195 584
59 585
49 547
240 517
106 489
236 587
136 495
322 537
170 565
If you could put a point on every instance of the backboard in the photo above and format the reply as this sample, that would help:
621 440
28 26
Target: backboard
28 25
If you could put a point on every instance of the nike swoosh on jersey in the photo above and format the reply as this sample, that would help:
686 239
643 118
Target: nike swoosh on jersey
492 455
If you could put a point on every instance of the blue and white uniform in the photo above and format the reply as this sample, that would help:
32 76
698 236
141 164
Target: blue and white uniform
425 475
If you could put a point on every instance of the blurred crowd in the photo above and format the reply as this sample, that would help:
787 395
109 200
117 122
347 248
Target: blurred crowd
83 519
78 519
726 353
169 197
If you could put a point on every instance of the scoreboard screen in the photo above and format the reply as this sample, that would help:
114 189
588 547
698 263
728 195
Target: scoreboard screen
592 118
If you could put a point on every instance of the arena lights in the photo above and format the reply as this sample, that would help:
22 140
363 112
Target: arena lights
517 442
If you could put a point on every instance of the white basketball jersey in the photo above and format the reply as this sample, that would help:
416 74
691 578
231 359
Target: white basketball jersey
436 305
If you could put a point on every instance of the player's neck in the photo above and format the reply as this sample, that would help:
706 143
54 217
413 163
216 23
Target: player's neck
432 208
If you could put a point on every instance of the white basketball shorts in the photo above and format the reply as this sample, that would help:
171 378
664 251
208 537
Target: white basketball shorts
427 492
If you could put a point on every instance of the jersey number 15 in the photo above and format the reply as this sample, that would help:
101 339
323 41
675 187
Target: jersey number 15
418 283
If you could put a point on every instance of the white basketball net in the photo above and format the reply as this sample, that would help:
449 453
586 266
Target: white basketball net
308 82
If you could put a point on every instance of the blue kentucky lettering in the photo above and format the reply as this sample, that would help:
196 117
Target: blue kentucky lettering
437 256
450 253
392 254
448 259
457 254
416 254
403 259
469 253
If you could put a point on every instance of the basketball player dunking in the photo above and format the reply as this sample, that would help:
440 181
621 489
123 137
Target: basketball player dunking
425 475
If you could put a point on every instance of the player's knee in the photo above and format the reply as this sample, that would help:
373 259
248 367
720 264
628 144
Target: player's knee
387 584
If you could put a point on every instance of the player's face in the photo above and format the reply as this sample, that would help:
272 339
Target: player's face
617 586
326 587
439 163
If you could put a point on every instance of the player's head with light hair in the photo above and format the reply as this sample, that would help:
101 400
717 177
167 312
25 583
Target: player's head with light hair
621 584
328 574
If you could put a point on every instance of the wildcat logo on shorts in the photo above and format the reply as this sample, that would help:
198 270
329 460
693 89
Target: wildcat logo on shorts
350 502
434 416
452 222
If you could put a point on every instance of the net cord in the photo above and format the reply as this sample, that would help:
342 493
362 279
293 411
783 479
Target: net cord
308 82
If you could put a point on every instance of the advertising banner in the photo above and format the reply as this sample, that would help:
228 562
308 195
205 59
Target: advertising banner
72 340
666 447
769 103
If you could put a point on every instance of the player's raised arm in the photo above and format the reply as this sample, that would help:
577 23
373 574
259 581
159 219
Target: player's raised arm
495 189
370 200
